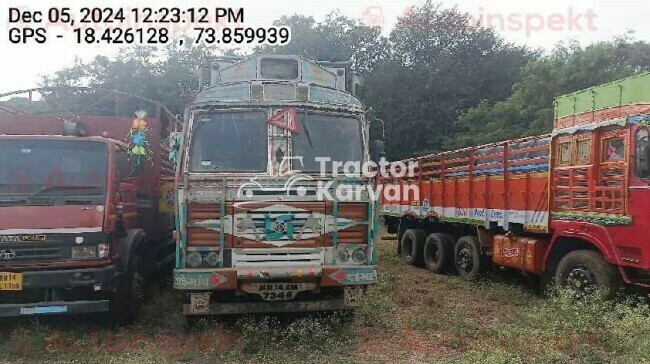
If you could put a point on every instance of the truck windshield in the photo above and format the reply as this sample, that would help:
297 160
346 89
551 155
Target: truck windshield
52 168
327 136
229 141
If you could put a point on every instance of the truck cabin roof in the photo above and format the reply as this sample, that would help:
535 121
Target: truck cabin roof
277 80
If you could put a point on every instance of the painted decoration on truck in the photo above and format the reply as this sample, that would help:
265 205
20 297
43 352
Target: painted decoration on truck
277 224
167 197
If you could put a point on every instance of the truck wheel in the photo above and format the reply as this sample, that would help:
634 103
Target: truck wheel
411 246
467 257
437 252
127 300
584 270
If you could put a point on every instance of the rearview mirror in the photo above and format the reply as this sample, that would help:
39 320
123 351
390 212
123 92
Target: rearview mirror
377 150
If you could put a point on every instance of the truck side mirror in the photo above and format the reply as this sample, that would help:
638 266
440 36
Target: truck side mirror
174 146
377 150
121 189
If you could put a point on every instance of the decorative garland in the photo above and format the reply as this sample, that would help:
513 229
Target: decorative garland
138 140
593 217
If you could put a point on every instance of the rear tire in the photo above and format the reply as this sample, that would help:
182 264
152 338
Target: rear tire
412 245
467 257
585 270
438 252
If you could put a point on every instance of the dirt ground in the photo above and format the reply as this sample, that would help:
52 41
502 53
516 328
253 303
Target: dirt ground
411 316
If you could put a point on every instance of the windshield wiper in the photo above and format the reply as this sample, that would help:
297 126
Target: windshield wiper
304 127
64 188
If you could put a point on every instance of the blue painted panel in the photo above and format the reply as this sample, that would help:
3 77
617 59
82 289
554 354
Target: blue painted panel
43 310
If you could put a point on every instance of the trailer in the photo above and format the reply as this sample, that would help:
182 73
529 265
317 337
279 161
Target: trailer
86 201
570 206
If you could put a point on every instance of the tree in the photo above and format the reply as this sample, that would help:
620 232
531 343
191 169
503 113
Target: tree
440 64
167 75
568 68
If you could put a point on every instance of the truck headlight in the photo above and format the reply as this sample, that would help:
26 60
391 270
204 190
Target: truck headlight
103 250
83 252
212 258
343 256
359 255
194 259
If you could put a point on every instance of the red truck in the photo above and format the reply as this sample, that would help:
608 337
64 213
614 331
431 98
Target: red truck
86 209
571 206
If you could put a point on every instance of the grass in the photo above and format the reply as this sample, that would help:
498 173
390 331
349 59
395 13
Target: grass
410 316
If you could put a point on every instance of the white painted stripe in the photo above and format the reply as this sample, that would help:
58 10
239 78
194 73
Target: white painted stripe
501 217
51 231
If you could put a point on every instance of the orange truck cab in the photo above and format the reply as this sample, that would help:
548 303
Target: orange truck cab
85 215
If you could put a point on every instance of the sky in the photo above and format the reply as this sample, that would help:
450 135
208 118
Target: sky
536 23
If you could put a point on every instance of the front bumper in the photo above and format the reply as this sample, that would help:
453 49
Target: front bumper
220 291
66 278
37 284
230 278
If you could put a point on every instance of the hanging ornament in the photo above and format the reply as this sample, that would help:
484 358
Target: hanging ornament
138 140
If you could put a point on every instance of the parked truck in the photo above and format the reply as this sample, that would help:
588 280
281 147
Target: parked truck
571 206
257 229
86 201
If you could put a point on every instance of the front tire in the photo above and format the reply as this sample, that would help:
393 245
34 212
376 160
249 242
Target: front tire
412 245
585 270
438 252
126 302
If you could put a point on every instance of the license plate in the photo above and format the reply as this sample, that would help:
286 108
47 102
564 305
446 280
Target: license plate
278 291
11 281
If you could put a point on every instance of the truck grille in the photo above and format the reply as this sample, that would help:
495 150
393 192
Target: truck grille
277 257
31 254
285 225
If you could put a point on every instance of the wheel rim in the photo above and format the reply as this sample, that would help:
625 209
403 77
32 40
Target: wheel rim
581 278
464 259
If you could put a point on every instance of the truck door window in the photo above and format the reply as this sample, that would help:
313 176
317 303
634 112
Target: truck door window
122 165
613 150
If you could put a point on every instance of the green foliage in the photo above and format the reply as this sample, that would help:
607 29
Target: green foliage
591 329
529 110
167 75
308 339
440 63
